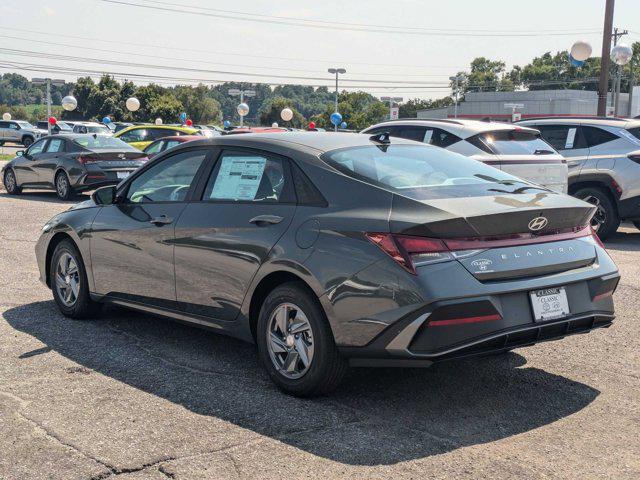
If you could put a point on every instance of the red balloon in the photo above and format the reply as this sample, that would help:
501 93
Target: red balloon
312 125
52 120
189 122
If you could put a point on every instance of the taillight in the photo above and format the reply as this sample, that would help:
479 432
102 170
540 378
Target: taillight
411 252
634 157
85 160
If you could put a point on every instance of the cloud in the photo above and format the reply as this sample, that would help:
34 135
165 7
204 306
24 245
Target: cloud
48 11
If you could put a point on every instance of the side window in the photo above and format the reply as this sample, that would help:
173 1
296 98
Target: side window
245 176
154 147
167 181
14 126
36 148
562 137
136 135
439 137
411 133
157 133
597 136
55 145
171 144
4 124
391 130
80 129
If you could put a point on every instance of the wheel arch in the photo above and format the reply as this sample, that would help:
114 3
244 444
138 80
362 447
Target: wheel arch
27 135
51 247
601 183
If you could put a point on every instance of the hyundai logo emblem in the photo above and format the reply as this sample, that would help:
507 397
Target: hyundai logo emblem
538 223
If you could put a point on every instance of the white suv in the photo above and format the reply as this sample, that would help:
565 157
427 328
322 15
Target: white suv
517 150
604 164
19 131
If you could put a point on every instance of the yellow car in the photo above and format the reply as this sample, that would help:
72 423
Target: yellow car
139 136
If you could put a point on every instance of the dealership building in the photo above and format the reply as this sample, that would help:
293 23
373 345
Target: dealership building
531 104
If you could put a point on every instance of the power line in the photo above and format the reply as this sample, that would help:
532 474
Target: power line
225 52
400 31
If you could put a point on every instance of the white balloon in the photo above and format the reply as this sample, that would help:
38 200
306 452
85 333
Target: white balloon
158 121
133 104
69 103
274 124
6 116
621 54
242 109
581 50
286 114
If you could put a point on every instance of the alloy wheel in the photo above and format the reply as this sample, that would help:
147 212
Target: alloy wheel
62 185
67 280
600 217
290 340
9 181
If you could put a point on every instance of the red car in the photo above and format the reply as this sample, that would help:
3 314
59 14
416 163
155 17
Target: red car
257 130
166 143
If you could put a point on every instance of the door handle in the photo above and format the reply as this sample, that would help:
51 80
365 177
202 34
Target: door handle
263 220
161 220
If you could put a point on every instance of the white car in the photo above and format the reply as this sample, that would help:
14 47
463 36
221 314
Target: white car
514 149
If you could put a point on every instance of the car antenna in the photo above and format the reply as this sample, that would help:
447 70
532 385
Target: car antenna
381 138
95 136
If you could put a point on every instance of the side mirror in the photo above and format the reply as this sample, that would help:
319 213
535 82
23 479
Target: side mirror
104 195
19 153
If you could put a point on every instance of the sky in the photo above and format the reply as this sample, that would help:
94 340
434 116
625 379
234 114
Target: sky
405 48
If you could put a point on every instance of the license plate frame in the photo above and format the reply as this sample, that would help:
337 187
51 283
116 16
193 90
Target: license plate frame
549 304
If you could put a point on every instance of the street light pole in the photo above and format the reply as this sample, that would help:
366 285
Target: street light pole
48 82
336 71
605 60
242 93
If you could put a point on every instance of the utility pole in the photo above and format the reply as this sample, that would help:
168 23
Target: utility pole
391 101
605 60
456 87
616 84
337 72
631 85
48 82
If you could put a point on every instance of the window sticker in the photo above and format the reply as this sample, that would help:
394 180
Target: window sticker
571 137
428 135
238 178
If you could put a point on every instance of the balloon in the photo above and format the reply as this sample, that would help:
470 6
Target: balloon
274 125
336 118
183 117
226 124
133 104
189 122
158 121
106 120
69 103
6 116
574 62
242 109
312 125
286 114
621 54
343 125
581 50
52 121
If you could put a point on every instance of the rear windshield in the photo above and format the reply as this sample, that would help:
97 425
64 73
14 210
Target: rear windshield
635 132
102 142
514 142
422 172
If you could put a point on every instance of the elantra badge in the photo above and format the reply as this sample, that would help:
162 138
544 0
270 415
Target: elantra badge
538 223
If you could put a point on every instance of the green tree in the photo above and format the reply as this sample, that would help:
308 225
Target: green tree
410 108
198 104
271 109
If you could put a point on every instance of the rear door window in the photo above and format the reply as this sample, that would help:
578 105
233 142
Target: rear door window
135 135
439 137
56 145
563 137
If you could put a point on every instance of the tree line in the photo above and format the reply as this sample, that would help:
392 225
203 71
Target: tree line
212 104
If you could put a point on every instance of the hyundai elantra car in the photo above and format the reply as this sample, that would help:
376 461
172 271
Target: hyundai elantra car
329 250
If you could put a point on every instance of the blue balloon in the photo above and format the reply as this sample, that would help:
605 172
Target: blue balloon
183 117
226 124
336 118
106 120
343 125
574 62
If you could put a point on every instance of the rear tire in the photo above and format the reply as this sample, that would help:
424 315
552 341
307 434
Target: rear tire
68 280
63 186
11 183
307 334
606 221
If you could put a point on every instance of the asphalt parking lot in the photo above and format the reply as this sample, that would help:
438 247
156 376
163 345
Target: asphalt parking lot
136 397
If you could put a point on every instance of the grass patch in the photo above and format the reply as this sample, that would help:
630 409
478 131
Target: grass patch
5 157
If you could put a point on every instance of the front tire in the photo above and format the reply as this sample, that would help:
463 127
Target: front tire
27 142
63 187
605 221
68 280
295 343
11 183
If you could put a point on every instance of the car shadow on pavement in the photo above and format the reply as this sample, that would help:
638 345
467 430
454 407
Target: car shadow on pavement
44 196
376 417
624 241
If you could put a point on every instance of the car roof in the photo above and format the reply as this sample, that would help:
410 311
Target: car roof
93 124
462 127
178 128
596 121
257 130
180 138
